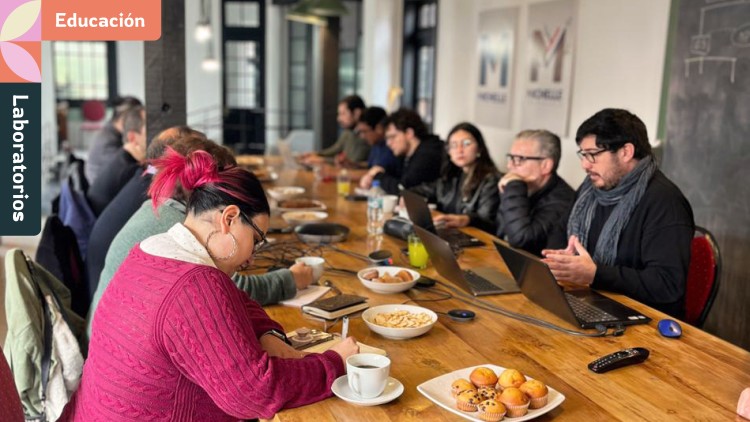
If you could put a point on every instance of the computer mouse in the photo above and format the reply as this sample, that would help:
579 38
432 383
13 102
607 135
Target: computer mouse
461 315
669 328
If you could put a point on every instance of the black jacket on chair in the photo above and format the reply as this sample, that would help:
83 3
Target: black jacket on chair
538 221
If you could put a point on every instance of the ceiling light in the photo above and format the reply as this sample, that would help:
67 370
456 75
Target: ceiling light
202 32
329 8
301 12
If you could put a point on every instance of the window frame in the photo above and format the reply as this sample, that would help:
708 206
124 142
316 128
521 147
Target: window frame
112 91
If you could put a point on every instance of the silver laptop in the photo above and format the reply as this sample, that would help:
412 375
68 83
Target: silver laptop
583 308
477 281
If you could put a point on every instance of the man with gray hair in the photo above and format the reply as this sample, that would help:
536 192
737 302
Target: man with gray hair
534 200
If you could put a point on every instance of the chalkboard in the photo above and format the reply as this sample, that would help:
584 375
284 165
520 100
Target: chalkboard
707 145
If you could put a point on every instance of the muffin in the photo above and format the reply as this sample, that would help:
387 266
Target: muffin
515 401
460 385
491 411
537 392
467 401
487 393
483 377
511 378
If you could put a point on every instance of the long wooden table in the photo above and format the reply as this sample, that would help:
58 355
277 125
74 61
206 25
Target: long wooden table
695 377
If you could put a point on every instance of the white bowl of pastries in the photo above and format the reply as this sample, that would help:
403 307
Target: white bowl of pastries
399 322
388 279
303 217
281 193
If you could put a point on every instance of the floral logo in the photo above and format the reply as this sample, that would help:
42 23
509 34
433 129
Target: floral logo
20 41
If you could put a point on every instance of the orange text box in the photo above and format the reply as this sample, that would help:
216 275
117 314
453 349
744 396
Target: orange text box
102 20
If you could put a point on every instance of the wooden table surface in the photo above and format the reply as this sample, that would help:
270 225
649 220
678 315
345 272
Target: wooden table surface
695 377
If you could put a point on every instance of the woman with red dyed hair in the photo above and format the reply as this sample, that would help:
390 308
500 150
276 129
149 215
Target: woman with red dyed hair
183 343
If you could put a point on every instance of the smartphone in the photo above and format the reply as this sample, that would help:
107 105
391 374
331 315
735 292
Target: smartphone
355 197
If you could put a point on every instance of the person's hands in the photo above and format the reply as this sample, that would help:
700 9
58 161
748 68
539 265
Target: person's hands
451 220
312 159
303 275
573 265
509 177
346 348
276 347
366 181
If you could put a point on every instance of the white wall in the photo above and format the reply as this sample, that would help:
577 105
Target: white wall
382 34
130 69
618 62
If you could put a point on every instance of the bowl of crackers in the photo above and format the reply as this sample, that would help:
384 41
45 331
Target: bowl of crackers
388 279
399 322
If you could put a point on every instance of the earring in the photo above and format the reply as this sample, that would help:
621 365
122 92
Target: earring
223 258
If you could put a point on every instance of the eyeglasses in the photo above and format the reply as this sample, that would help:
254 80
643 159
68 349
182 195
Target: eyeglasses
590 156
464 143
258 243
518 160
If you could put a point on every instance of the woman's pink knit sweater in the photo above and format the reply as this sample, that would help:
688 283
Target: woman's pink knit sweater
178 341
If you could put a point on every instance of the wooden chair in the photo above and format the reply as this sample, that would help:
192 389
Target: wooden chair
703 277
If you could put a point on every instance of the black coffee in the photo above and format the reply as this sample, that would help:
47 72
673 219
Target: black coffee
365 366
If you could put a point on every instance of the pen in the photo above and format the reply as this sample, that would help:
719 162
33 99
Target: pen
344 328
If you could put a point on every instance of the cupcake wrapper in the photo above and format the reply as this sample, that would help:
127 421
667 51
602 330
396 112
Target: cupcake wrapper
538 402
466 407
491 416
516 411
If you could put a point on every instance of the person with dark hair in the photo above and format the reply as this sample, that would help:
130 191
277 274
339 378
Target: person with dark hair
370 128
420 153
174 339
265 289
349 146
630 228
108 141
123 164
534 200
466 190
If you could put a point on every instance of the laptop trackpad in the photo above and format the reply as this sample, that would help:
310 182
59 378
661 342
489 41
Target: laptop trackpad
504 281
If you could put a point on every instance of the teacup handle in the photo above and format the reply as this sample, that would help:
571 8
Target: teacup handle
355 383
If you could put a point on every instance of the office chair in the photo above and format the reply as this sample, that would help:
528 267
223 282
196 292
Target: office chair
703 277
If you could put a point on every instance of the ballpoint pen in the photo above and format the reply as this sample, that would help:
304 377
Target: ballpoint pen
344 327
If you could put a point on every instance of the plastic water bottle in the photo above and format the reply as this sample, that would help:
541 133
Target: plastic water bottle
375 215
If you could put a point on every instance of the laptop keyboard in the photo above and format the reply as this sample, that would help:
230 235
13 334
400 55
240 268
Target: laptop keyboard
458 238
479 283
587 313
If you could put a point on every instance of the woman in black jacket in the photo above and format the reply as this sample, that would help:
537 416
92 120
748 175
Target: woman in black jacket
466 191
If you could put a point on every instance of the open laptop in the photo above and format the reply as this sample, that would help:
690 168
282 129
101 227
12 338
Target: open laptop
583 308
478 281
419 214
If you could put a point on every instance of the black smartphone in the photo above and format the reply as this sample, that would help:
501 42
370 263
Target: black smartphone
355 197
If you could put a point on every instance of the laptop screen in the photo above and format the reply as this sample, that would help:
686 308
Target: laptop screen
419 212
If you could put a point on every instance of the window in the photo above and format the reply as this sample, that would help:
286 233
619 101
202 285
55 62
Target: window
300 76
84 70
418 78
350 55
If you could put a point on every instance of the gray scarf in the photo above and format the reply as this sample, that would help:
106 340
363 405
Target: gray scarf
625 196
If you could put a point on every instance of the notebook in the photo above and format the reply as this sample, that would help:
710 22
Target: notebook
336 306
419 214
583 308
477 281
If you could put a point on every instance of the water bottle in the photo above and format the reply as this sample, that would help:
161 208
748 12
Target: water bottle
375 215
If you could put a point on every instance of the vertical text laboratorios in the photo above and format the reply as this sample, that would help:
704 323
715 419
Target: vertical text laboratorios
19 125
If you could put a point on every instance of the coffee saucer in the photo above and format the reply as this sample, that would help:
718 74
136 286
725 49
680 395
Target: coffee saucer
393 389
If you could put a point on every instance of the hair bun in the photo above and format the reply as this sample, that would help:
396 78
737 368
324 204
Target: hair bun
200 168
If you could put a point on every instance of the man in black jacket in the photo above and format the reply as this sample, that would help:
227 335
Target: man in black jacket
420 153
630 227
534 200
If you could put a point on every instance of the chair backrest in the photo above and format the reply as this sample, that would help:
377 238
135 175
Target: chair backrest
703 277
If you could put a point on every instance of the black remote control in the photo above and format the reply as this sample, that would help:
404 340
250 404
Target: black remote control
619 359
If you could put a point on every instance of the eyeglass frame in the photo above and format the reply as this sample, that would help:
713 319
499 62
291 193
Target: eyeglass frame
263 240
518 160
590 156
464 143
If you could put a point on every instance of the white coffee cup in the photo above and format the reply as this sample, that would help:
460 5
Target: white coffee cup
315 262
367 374
389 203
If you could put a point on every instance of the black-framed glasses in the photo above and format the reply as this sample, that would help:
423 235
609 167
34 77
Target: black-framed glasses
258 243
518 160
590 156
464 143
